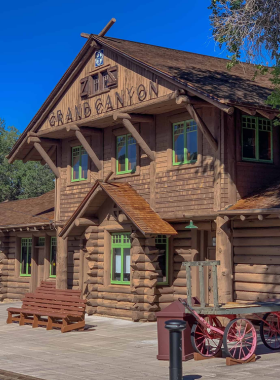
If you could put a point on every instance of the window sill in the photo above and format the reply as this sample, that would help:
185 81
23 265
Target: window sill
184 166
77 183
128 175
253 163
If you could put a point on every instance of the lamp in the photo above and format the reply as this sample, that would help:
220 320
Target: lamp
191 225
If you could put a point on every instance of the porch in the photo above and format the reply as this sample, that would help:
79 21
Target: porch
109 349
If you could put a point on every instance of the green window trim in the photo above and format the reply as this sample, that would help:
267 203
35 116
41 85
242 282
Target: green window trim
52 262
186 128
24 268
163 241
78 151
120 241
41 241
261 124
127 140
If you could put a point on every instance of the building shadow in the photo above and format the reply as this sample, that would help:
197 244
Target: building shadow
192 377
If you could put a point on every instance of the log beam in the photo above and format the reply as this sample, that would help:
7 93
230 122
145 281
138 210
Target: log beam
247 110
267 115
86 222
85 145
133 117
51 151
107 27
183 99
29 155
61 261
131 129
37 145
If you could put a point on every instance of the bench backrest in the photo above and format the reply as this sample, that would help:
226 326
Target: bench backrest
66 292
55 303
48 284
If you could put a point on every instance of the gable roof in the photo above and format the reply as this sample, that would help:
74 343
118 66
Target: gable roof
22 212
135 207
265 198
204 73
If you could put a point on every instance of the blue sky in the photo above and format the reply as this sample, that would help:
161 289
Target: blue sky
40 39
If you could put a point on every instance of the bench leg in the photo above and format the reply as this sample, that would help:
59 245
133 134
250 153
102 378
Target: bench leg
50 323
72 326
35 321
10 317
21 319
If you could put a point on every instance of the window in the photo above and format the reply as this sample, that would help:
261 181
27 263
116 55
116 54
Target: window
25 258
120 258
79 164
99 82
53 257
184 142
126 154
41 242
162 245
256 139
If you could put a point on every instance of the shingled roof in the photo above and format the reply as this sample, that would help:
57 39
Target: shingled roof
135 207
267 198
39 210
206 74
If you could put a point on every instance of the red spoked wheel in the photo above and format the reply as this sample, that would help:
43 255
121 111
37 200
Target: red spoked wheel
240 339
270 331
204 340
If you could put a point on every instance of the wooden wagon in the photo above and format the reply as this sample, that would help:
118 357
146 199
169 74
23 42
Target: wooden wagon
239 337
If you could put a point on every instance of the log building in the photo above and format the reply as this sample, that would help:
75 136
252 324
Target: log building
142 140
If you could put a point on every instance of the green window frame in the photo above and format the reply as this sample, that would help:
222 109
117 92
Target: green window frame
120 258
162 243
188 130
127 162
41 241
82 163
53 257
25 257
261 126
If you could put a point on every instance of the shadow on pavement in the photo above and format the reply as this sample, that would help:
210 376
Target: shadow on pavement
192 377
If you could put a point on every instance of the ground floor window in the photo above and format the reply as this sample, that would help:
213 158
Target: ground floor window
25 257
120 258
162 245
53 257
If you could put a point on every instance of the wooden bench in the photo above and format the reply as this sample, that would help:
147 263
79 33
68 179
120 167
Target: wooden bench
50 310
49 287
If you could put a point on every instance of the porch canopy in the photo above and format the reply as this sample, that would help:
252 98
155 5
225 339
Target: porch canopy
133 207
260 204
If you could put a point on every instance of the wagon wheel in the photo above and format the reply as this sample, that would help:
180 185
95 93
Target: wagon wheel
270 331
205 341
240 339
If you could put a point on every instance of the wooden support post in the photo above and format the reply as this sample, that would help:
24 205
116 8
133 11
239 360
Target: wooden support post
242 217
224 255
50 153
29 155
37 145
202 126
88 149
61 261
107 27
131 129
139 118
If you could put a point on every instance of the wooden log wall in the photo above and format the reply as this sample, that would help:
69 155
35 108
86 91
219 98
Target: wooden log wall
73 264
256 246
11 285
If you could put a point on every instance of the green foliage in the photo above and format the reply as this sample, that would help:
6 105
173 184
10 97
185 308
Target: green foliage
250 29
19 180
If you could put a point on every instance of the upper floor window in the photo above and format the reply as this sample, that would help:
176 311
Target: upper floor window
25 257
126 154
99 82
184 142
163 260
120 258
53 257
79 164
257 139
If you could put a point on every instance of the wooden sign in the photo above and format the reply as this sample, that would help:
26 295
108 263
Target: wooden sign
101 105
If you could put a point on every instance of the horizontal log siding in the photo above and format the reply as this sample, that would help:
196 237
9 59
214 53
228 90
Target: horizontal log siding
190 188
256 248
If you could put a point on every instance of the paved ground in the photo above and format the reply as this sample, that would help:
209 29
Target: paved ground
111 349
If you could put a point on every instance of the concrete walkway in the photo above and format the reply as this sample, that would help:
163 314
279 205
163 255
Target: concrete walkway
111 349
